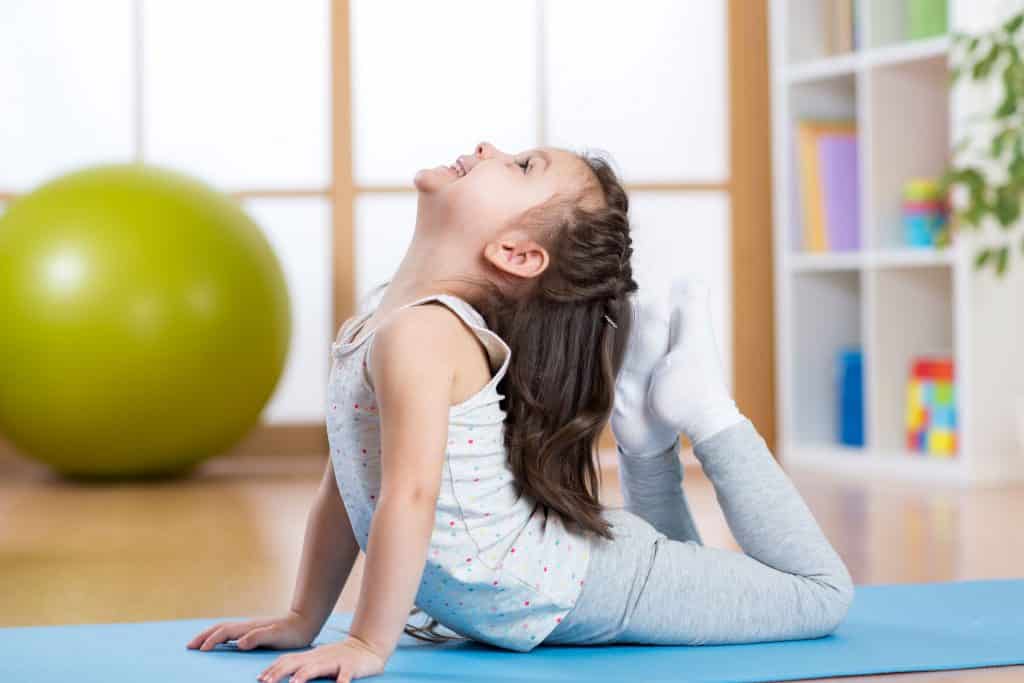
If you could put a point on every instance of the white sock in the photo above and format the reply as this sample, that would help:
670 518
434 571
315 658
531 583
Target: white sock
638 431
650 472
687 388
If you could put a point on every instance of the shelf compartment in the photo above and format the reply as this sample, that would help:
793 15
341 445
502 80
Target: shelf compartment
913 316
830 99
908 136
826 318
889 22
818 29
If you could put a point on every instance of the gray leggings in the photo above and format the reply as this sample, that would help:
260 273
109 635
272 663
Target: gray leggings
644 587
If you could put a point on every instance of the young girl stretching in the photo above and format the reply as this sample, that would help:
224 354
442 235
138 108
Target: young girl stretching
463 411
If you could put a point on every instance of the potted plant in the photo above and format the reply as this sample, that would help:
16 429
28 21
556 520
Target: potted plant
987 171
985 180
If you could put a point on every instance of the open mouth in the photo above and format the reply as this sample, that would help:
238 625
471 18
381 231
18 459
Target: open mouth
459 169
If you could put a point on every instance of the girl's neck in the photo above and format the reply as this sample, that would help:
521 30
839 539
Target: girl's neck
430 266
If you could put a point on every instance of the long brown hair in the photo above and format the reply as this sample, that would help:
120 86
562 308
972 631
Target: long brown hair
560 382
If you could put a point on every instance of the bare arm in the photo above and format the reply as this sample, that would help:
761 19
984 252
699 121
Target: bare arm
328 553
412 366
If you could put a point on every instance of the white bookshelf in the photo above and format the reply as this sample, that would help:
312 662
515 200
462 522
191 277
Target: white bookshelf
894 301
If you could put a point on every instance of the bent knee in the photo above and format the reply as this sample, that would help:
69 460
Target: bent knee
836 594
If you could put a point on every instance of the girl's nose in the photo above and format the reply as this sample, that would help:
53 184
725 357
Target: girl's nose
484 150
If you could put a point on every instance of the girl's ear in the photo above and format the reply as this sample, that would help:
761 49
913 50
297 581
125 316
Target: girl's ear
521 257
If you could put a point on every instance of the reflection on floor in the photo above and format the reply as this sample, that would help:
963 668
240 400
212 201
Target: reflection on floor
226 542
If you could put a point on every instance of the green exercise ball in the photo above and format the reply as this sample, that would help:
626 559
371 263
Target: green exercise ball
144 323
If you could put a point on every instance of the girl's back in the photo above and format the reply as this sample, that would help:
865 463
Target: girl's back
500 568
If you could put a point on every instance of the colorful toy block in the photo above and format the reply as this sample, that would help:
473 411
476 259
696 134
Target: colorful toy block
931 407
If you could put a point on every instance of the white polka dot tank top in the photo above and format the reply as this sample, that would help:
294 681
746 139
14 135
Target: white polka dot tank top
500 568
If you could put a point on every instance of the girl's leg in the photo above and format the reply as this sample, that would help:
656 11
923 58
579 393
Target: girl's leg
615 578
652 488
788 582
650 472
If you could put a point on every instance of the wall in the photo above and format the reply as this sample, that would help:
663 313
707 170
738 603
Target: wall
240 95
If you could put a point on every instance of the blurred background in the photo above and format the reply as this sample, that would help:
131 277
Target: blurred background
316 116
793 153
313 117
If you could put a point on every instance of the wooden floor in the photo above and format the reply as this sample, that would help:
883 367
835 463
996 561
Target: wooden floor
227 541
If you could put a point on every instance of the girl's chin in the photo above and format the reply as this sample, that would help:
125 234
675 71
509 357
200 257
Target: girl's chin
432 179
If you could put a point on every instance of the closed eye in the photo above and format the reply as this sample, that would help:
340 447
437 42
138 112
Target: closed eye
526 165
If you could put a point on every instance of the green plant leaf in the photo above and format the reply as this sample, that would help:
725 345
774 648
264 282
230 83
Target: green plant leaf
1000 140
971 176
1007 206
1014 54
1007 107
1016 167
974 179
994 140
984 66
974 214
1011 85
1013 66
946 181
1001 257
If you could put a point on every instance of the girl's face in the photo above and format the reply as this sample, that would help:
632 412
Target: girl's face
481 193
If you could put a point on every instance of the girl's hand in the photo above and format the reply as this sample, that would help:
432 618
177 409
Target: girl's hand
344 661
281 633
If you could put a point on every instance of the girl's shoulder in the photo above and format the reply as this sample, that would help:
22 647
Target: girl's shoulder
465 318
498 351
429 324
403 320
444 331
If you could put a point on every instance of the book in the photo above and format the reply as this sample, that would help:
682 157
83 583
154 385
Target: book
815 236
840 183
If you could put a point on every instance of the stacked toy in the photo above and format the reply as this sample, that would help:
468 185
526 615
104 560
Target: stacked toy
931 407
925 214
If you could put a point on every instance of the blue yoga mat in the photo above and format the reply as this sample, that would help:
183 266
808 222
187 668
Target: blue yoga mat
890 628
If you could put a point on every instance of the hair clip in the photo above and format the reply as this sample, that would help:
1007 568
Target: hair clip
610 321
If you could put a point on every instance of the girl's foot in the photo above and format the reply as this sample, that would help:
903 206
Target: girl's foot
687 388
637 429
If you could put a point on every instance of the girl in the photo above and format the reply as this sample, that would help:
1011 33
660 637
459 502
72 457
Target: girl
463 411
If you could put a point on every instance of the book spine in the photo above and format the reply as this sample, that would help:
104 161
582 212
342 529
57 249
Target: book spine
810 186
839 177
